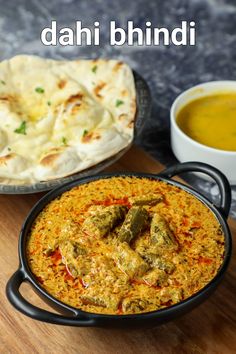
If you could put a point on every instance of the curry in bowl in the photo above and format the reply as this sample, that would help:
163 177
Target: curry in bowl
125 245
210 120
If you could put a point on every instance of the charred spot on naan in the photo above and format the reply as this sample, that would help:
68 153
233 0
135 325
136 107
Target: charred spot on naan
133 110
124 93
98 89
49 159
6 98
4 159
89 136
130 124
123 117
75 108
13 163
11 101
73 102
74 98
51 156
57 162
133 105
118 66
61 84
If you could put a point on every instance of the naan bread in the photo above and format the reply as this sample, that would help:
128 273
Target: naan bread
60 117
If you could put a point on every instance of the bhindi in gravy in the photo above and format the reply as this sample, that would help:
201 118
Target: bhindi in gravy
124 245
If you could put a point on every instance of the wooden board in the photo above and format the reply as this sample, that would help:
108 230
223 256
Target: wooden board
210 328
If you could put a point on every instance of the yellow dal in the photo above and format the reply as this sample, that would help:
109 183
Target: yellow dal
211 120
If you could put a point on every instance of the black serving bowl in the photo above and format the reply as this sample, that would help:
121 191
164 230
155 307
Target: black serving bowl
74 317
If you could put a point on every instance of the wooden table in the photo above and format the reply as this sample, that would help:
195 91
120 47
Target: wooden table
210 328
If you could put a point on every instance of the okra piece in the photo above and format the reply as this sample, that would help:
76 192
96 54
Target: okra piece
134 304
92 300
104 220
161 234
158 262
171 294
71 251
155 277
68 230
72 269
135 221
111 302
129 261
150 199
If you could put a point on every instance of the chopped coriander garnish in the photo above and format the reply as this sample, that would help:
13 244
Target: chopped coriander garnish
21 129
94 69
9 149
64 140
3 82
119 103
85 132
39 90
49 103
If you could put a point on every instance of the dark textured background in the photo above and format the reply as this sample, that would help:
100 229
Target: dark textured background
168 70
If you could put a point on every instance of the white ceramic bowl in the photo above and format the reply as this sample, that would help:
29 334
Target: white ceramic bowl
187 149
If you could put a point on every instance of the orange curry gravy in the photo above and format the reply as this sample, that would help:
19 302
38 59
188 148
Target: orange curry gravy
125 245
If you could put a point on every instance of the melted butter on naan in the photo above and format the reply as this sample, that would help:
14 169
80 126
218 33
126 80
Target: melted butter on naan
60 117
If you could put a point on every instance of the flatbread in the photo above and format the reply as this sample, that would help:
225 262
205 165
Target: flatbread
61 117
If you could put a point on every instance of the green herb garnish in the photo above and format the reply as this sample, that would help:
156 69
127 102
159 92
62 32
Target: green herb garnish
39 90
9 149
64 140
94 69
3 82
21 129
85 132
49 103
119 103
